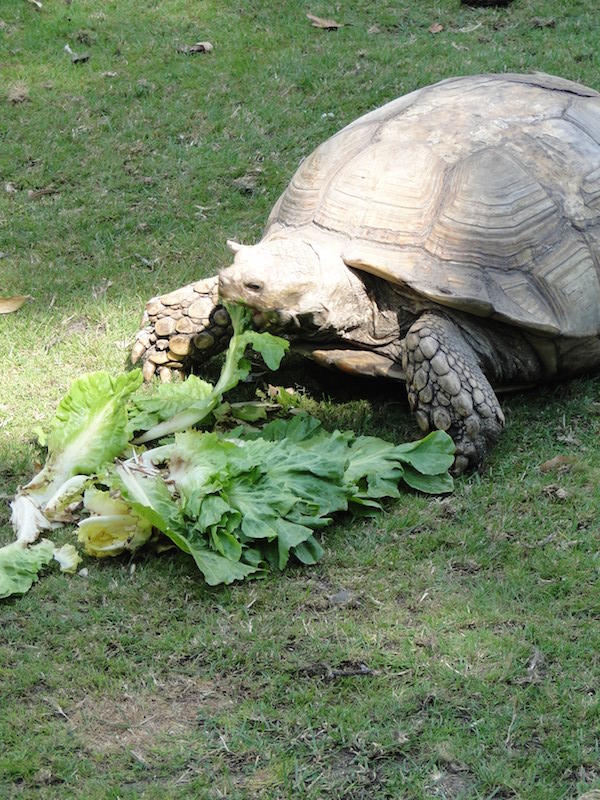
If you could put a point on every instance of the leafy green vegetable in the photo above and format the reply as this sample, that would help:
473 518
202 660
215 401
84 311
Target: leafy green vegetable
236 502
431 455
235 369
19 565
165 401
89 430
113 526
150 498
68 558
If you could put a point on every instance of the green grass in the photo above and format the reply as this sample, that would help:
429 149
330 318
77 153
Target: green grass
477 617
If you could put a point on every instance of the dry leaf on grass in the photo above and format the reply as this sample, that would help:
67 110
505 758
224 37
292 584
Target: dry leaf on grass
324 24
10 304
246 184
18 92
470 28
561 462
437 27
199 47
35 194
35 3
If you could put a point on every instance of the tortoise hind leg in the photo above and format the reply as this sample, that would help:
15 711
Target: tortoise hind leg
182 328
447 389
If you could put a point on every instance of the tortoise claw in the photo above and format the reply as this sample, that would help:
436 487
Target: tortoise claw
148 370
137 351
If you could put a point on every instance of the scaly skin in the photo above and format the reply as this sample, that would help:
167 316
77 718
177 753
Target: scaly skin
182 328
447 389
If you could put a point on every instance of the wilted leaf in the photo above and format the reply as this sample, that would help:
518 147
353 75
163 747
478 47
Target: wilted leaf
10 304
108 74
374 29
10 188
35 3
437 27
68 558
325 24
558 462
35 194
18 92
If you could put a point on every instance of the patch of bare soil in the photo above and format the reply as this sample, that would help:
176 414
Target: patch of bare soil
137 722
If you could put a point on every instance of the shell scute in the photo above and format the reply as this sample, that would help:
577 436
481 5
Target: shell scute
494 214
382 196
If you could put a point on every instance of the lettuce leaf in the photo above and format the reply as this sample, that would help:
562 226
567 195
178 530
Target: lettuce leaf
113 526
165 401
149 497
234 501
235 369
89 430
68 558
19 565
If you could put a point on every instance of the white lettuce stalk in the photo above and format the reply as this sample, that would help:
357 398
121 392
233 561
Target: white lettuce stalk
113 527
68 558
235 369
89 431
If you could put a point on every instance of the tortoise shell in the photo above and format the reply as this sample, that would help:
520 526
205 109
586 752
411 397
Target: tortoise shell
480 194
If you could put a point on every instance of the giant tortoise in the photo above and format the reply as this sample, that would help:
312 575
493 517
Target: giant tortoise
449 239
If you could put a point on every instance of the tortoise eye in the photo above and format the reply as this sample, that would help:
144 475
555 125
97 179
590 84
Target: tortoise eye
253 286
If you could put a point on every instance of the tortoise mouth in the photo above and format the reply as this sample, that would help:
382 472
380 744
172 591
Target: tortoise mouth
276 320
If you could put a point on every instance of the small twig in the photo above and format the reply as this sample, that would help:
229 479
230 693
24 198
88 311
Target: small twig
56 707
512 724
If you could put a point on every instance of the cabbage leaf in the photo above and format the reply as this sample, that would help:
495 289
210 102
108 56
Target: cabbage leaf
19 565
88 431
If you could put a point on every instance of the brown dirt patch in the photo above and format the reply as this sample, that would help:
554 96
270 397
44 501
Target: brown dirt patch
138 721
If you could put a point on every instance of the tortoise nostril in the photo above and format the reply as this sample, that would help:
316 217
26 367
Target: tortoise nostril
254 286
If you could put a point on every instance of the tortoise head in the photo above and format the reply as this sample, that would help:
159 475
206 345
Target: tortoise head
287 281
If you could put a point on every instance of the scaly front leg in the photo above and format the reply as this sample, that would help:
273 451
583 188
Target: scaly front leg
447 389
181 329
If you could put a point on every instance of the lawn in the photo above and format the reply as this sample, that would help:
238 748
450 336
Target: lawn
447 648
